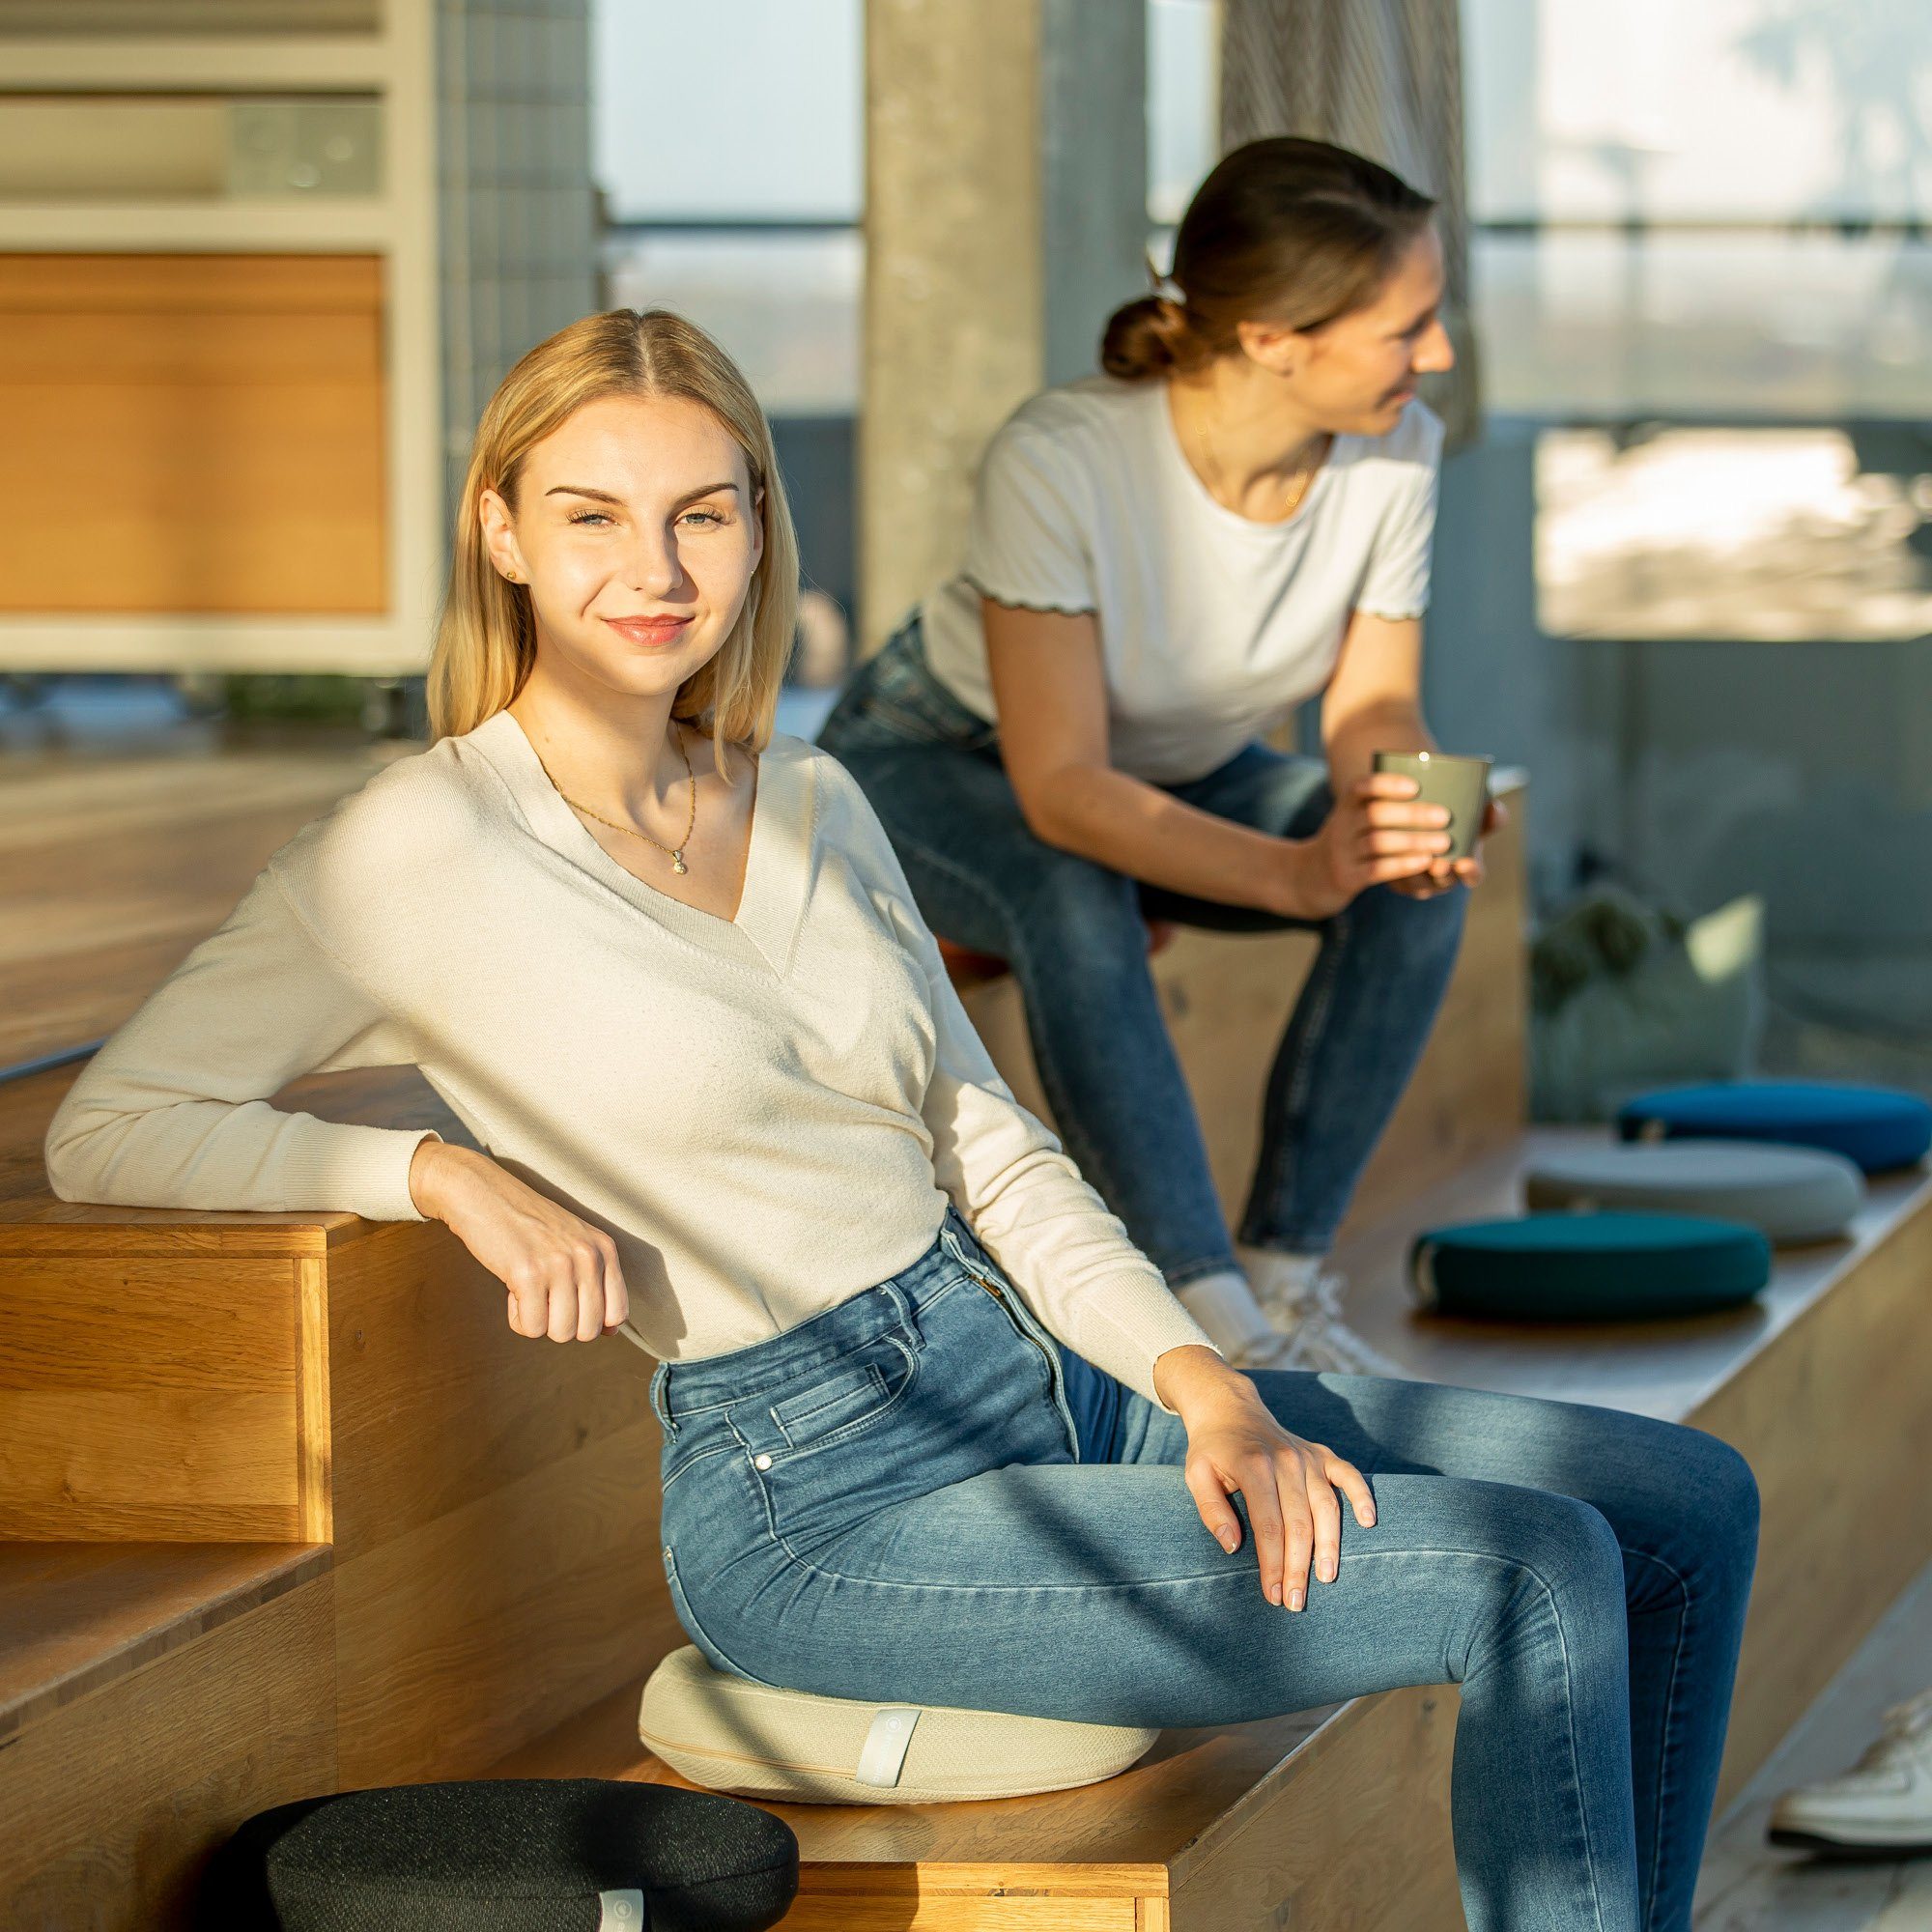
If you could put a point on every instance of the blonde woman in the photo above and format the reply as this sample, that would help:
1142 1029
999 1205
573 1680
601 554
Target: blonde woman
662 964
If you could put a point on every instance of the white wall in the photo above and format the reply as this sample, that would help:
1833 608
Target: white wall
1743 110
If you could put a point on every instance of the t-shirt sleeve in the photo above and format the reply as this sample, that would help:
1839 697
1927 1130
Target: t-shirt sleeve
1067 1254
1396 582
172 1110
1025 542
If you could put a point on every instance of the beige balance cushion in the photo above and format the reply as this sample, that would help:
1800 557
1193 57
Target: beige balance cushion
730 1734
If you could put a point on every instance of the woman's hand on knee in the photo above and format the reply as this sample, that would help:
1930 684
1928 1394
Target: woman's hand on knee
1289 1486
561 1273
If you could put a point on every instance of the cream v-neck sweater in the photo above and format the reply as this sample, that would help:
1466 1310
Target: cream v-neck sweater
767 1113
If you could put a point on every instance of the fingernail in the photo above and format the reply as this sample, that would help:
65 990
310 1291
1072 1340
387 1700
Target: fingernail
1274 1593
1295 1599
1327 1572
1227 1539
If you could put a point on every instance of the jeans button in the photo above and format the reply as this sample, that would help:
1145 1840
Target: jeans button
761 1462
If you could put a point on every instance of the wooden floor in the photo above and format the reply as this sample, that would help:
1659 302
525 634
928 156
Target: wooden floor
114 865
1748 1885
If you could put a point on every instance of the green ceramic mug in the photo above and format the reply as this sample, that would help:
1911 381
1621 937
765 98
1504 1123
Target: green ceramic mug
1447 778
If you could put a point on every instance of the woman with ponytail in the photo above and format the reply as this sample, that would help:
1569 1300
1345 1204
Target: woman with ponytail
1065 739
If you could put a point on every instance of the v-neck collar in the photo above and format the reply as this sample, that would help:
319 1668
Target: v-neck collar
778 861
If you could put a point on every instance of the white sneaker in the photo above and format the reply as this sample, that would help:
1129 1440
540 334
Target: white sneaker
1301 1295
1882 1808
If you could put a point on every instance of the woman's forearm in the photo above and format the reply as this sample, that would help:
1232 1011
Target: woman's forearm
1136 828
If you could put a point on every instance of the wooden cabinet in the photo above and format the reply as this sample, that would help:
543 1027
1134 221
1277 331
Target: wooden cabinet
192 432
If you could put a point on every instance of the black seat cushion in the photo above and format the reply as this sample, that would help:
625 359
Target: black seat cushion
508 1855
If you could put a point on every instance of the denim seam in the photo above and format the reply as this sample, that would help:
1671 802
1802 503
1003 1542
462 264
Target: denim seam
1268 1184
1019 961
691 1461
683 1603
1141 1582
1670 1704
1570 1704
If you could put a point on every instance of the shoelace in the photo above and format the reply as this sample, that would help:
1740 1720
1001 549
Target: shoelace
1901 1723
1317 1309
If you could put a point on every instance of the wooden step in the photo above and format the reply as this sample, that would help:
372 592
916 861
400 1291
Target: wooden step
488 1496
1340 1816
113 866
152 1696
1820 1383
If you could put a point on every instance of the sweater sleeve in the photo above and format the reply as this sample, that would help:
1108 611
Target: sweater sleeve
172 1110
1032 1211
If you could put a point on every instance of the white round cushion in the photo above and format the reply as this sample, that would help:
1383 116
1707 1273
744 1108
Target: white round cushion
1788 1193
730 1734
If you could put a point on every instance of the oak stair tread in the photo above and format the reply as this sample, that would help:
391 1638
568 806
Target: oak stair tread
75 1617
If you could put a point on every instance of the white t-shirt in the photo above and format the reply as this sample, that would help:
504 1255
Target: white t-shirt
1213 627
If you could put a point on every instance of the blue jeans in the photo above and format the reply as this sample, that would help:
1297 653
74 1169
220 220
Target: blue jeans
891 1502
1074 932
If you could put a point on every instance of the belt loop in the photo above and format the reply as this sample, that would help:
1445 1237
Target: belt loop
661 1400
908 1319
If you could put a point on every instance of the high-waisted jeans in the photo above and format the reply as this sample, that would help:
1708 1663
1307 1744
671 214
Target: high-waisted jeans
892 1501
1074 932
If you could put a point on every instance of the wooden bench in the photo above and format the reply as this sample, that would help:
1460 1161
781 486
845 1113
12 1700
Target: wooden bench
354 1530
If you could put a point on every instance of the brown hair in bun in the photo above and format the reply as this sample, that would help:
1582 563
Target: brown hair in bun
1286 230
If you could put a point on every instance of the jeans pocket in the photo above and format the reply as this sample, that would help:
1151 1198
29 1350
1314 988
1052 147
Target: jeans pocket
830 1402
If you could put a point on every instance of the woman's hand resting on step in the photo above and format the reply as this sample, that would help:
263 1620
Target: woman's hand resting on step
561 1273
1234 1443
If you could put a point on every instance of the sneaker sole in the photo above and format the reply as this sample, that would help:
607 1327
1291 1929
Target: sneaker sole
1847 1849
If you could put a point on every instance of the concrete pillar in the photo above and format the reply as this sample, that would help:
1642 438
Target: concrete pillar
1005 215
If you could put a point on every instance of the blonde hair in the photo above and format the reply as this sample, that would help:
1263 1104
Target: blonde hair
486 637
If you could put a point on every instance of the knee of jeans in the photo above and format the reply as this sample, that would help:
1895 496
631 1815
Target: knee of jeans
1084 908
1566 1548
1717 1486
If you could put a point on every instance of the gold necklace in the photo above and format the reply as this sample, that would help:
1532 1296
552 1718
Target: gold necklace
1306 476
676 851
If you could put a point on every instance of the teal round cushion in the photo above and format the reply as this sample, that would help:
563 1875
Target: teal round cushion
1786 1193
1612 1266
1879 1127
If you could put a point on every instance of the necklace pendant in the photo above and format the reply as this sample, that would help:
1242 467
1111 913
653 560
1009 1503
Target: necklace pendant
677 864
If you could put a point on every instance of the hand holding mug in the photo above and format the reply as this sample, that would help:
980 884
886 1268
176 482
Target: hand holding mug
1379 832
1461 784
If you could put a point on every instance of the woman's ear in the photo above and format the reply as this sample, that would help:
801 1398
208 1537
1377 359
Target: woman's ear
1277 350
500 537
758 526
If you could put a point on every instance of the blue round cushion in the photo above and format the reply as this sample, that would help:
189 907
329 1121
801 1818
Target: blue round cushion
1613 1266
1876 1127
